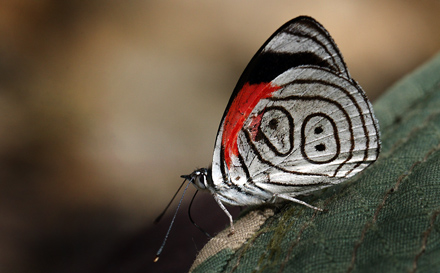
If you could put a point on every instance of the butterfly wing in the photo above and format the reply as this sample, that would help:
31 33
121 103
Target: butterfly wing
296 121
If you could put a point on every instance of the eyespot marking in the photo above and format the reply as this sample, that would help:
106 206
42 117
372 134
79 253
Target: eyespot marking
318 130
320 147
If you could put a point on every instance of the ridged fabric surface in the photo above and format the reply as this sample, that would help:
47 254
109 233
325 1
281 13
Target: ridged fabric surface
385 219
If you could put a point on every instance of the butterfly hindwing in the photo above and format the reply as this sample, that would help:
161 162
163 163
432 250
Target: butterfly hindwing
296 121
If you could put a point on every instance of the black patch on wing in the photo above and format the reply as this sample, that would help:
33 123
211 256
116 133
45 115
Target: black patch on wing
270 65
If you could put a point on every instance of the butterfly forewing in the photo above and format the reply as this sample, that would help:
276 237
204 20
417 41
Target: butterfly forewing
296 121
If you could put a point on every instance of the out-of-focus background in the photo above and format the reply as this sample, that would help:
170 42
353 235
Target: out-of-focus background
103 104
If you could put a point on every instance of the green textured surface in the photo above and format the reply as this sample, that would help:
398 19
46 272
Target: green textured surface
385 219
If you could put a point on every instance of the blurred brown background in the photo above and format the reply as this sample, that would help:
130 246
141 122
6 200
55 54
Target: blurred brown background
103 104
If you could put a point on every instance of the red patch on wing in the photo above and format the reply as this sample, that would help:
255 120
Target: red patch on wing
239 111
254 125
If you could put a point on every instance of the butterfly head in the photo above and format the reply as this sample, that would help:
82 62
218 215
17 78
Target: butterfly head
200 178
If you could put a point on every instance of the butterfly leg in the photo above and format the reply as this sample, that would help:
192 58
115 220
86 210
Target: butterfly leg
287 197
232 230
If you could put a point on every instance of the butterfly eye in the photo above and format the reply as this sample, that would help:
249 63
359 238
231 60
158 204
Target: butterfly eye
320 140
199 179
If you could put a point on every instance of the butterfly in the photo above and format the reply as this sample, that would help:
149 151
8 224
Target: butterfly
296 123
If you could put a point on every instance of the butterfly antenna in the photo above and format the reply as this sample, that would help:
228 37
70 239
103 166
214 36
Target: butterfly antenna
171 225
166 208
192 221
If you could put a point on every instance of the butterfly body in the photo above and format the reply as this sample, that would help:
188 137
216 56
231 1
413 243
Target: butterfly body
296 123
